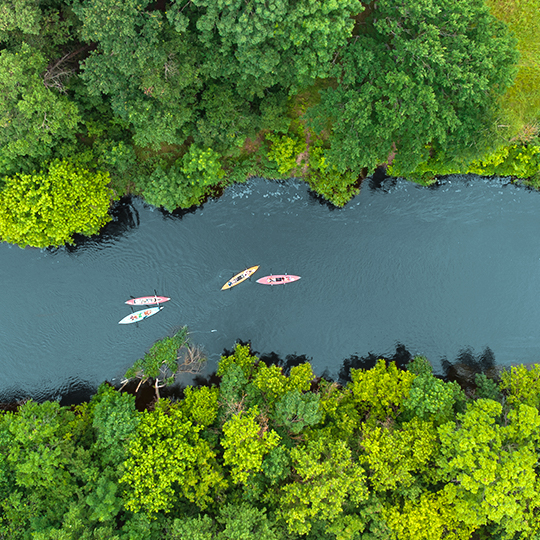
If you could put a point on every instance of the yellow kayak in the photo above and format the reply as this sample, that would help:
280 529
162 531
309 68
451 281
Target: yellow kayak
235 280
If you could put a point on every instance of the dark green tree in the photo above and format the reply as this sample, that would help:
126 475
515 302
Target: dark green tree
147 69
417 75
261 44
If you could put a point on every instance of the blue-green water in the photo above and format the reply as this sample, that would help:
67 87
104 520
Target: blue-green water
436 271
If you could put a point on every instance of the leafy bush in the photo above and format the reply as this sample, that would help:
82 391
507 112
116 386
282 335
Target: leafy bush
47 208
325 179
517 160
184 184
285 151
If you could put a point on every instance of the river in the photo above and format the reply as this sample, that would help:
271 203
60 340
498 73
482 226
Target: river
449 271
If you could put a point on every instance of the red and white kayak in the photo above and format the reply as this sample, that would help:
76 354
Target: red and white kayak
147 300
140 315
278 279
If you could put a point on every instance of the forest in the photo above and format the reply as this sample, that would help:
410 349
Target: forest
276 453
174 100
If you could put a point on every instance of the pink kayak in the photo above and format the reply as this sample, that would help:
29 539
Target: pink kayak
278 279
147 300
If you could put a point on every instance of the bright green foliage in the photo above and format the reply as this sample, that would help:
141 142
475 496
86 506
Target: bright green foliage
325 178
273 385
242 357
47 208
515 160
380 391
520 105
395 458
270 382
489 478
429 517
202 167
161 362
33 118
338 410
286 152
327 478
260 45
246 442
301 377
168 455
200 405
522 385
430 399
420 73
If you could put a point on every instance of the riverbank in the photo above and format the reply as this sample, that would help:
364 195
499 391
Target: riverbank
430 268
283 454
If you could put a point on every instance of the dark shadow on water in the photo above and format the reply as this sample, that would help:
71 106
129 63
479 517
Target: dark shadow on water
81 393
467 365
125 217
401 358
179 213
379 180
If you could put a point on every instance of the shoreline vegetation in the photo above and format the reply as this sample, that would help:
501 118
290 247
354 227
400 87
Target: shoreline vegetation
262 451
175 100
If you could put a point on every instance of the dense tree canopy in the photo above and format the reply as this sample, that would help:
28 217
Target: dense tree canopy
326 91
419 74
392 455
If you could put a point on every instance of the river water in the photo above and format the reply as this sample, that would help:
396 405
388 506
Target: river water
446 271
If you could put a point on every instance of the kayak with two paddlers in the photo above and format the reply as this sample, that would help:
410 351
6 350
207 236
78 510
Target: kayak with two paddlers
277 279
242 276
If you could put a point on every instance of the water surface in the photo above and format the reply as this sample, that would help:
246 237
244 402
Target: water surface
435 271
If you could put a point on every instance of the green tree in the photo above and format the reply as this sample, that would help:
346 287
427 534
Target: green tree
522 385
33 117
148 70
263 44
165 359
166 456
114 420
379 392
398 459
325 479
417 74
187 182
46 467
246 442
489 469
47 208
